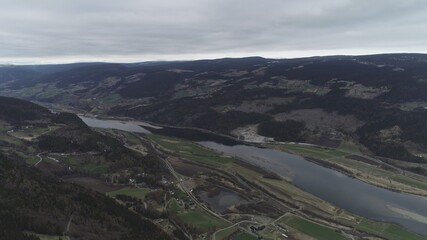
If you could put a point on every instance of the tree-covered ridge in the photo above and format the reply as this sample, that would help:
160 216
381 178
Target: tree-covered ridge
377 91
34 202
17 111
35 199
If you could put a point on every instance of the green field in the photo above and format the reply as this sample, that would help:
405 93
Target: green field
132 138
197 218
244 236
112 98
192 151
95 168
37 131
96 165
373 170
4 128
312 229
31 132
410 181
349 147
202 221
358 168
205 222
312 151
387 230
173 206
31 160
224 234
130 191
11 140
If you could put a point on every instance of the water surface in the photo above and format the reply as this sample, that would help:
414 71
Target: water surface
345 192
222 201
113 124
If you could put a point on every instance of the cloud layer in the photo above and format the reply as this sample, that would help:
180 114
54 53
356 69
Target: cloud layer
138 30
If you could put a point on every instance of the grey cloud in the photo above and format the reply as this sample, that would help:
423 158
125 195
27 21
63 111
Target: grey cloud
145 30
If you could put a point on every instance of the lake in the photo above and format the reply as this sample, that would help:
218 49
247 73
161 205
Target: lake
113 124
345 192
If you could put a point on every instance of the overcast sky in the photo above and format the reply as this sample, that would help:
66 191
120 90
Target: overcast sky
46 31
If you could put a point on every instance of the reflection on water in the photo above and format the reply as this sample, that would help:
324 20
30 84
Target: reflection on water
114 124
221 201
348 193
345 192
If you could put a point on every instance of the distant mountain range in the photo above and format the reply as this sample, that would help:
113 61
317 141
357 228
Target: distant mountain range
376 102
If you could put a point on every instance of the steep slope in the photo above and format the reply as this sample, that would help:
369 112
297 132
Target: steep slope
336 99
33 202
39 202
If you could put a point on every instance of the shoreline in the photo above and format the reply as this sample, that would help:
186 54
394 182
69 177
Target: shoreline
320 162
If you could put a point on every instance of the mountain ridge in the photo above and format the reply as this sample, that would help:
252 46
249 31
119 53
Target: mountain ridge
378 93
35 196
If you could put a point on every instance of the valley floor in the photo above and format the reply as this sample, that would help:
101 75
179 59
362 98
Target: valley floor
211 195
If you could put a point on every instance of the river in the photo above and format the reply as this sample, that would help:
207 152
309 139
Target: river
345 192
113 124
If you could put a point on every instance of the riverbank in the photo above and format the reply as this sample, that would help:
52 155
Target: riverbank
361 167
375 173
314 209
305 188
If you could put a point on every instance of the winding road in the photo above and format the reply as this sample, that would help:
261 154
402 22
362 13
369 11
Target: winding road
67 229
40 158
184 188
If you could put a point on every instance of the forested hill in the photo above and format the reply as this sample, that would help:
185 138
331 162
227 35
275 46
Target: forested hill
17 111
34 198
376 102
31 202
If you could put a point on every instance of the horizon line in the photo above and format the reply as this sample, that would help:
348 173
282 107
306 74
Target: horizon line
134 60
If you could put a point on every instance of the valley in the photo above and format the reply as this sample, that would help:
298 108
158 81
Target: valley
252 148
191 155
213 120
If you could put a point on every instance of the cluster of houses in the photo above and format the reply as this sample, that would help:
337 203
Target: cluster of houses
256 229
186 204
283 230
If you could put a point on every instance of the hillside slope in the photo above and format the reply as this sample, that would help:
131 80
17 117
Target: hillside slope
377 102
33 197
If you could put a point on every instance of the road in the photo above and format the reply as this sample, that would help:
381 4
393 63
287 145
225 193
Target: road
67 229
40 159
52 158
184 188
234 225
247 221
